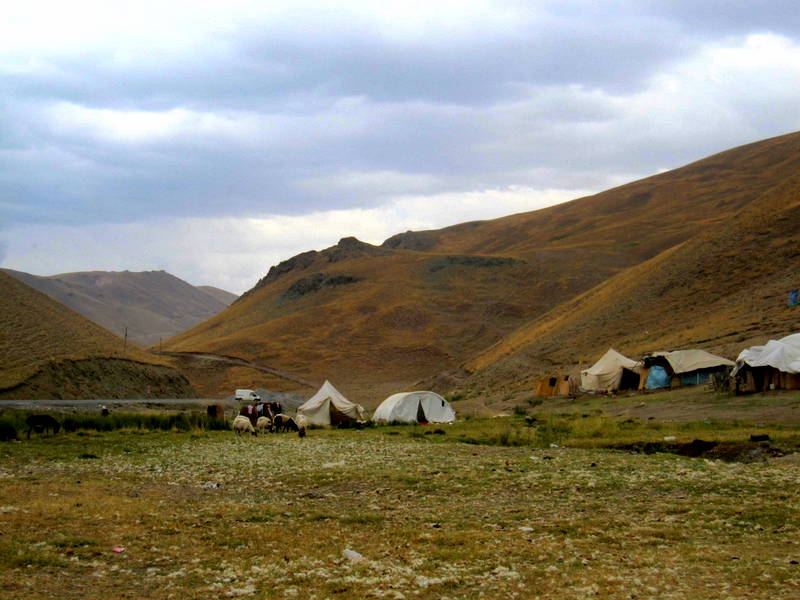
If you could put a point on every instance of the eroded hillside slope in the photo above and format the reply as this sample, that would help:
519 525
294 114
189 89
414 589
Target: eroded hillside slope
45 347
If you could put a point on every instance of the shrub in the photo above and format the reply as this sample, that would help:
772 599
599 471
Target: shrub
552 431
7 431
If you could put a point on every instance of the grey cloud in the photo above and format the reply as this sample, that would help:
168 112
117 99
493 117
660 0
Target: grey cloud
486 109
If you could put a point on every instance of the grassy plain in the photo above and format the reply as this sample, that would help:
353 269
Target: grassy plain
466 513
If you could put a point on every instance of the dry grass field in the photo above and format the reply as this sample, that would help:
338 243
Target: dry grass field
487 509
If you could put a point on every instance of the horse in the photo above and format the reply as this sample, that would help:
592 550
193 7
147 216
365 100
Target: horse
41 424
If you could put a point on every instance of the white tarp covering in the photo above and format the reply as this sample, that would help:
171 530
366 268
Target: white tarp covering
412 407
684 361
318 408
782 354
606 373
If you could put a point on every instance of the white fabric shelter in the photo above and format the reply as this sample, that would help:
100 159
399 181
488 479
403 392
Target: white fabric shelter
415 407
782 354
606 373
329 401
684 361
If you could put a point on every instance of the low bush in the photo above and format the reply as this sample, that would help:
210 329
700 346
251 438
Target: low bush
7 431
183 421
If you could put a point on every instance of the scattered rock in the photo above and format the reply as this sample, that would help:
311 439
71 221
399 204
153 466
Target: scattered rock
353 556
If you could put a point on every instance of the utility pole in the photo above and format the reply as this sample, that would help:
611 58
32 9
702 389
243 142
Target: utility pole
125 343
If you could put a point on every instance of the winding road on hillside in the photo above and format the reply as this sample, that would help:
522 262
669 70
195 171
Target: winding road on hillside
239 362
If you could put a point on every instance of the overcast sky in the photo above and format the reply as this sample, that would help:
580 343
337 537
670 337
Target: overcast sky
214 139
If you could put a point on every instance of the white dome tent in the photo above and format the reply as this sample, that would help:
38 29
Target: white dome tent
415 407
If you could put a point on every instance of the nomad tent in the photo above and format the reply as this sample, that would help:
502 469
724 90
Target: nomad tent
774 366
612 372
682 367
329 407
415 407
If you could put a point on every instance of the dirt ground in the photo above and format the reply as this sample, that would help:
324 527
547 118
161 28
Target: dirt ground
677 406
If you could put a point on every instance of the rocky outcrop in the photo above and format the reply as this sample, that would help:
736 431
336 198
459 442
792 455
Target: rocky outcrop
347 248
316 282
439 263
421 241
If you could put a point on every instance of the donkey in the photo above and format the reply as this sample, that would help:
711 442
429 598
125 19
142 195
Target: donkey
42 423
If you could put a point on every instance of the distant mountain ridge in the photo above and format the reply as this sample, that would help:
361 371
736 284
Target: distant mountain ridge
49 351
474 298
152 305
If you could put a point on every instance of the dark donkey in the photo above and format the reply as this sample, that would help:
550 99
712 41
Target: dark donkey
42 423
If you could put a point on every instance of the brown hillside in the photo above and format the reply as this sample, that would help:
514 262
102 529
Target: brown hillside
377 319
722 291
40 336
630 223
152 305
227 298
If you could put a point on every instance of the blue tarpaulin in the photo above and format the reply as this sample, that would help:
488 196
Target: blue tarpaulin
793 298
657 377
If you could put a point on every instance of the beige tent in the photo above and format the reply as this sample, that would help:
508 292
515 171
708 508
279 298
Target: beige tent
682 367
612 372
685 361
329 407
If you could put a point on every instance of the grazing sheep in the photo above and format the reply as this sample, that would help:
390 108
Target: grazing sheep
264 424
42 423
302 423
284 423
242 424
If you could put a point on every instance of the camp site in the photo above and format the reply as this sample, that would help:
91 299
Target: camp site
414 500
594 397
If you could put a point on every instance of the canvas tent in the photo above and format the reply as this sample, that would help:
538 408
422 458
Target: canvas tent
774 366
415 407
612 372
329 407
682 367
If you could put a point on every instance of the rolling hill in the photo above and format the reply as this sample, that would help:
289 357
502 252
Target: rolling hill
49 351
482 295
723 290
152 305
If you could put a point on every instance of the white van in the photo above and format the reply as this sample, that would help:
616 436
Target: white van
247 396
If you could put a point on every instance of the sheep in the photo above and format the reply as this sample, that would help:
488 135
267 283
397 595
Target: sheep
42 423
302 423
264 424
284 423
242 424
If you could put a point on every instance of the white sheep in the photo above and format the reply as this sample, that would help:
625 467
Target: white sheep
242 424
264 424
302 423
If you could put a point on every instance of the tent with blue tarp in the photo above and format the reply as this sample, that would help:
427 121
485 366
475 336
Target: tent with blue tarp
685 367
657 377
